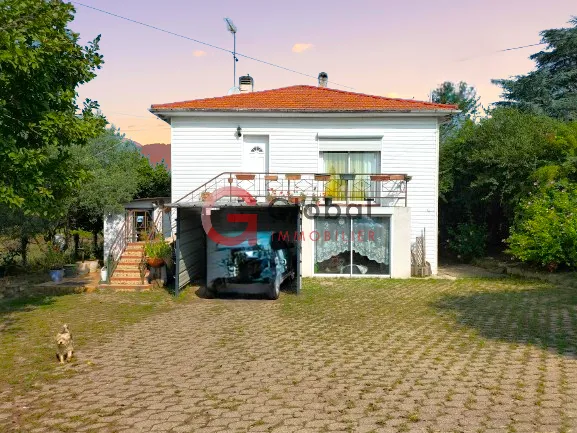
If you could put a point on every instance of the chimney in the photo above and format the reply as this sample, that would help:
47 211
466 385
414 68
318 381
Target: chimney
323 79
246 84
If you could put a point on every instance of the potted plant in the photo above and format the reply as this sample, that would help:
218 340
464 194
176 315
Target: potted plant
303 197
204 196
294 199
158 252
322 177
328 199
292 176
380 177
54 260
270 195
347 176
244 176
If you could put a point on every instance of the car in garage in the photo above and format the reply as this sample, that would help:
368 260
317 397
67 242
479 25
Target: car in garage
250 269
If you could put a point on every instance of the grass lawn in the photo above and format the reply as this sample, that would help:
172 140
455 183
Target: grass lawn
474 355
28 327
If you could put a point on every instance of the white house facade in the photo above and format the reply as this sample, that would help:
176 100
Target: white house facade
375 157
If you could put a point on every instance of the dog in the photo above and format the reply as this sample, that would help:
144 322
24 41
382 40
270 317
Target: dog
64 347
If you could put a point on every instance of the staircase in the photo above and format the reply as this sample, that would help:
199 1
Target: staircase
127 275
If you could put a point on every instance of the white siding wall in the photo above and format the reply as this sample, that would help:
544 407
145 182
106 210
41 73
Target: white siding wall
203 147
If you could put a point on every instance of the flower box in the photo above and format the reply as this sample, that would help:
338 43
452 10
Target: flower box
397 177
322 177
292 176
244 176
271 177
380 177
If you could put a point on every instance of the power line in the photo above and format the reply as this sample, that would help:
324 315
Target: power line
202 42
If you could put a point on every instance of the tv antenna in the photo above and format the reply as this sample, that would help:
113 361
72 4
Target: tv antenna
232 28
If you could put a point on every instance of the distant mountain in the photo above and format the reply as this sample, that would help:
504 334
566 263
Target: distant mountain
155 152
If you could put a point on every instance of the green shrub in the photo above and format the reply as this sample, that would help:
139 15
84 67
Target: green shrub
545 230
158 248
467 241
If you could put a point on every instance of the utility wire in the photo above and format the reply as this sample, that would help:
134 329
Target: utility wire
202 42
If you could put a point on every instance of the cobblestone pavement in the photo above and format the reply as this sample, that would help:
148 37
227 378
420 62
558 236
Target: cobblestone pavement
347 355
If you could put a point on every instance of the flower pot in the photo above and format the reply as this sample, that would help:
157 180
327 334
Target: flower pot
245 176
380 177
328 201
70 270
56 275
103 274
348 176
295 200
92 265
397 177
322 177
271 177
292 176
82 268
155 262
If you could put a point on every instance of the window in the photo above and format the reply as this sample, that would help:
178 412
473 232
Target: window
357 163
257 149
353 246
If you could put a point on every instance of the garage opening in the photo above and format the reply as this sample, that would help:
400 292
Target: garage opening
231 260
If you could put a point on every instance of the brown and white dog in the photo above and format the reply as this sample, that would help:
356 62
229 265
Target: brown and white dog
64 346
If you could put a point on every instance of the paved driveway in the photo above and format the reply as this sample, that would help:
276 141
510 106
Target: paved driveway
347 355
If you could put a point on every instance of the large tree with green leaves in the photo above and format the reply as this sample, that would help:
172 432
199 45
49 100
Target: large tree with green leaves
551 88
462 95
487 168
41 66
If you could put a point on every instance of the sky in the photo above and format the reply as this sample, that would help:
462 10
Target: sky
389 48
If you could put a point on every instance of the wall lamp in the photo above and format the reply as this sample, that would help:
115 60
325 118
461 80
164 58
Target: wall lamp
238 132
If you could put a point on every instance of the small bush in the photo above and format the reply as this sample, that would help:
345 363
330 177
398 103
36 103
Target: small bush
545 231
468 241
158 248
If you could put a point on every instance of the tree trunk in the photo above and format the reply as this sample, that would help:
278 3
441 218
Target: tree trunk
24 241
76 245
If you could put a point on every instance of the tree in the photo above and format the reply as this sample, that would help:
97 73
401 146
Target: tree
41 65
462 95
551 89
487 168
153 181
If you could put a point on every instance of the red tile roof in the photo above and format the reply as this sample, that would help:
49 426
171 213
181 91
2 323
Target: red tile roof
303 99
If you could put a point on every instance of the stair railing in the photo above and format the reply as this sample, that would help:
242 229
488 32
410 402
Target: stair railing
117 247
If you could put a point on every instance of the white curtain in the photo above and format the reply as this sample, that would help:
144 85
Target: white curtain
374 242
375 238
335 227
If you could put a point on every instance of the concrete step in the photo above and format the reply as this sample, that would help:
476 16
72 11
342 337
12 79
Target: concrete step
128 266
132 253
123 288
126 259
126 281
123 273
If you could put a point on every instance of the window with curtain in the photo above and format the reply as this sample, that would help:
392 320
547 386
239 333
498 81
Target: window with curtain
357 163
353 246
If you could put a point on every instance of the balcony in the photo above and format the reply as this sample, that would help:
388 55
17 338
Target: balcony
298 189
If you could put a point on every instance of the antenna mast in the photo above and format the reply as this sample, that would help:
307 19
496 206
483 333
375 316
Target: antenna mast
232 28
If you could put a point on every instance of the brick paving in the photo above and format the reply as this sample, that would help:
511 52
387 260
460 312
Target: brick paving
347 355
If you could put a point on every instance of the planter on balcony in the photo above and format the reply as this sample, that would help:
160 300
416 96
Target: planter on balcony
271 177
244 176
292 176
349 176
397 177
322 177
380 177
328 201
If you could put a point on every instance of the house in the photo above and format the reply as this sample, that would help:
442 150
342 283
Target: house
375 157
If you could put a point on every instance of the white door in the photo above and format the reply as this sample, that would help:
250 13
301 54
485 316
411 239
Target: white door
255 160
255 154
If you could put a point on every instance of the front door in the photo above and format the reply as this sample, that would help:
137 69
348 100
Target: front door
255 160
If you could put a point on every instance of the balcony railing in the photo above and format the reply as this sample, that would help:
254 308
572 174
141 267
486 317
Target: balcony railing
301 188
